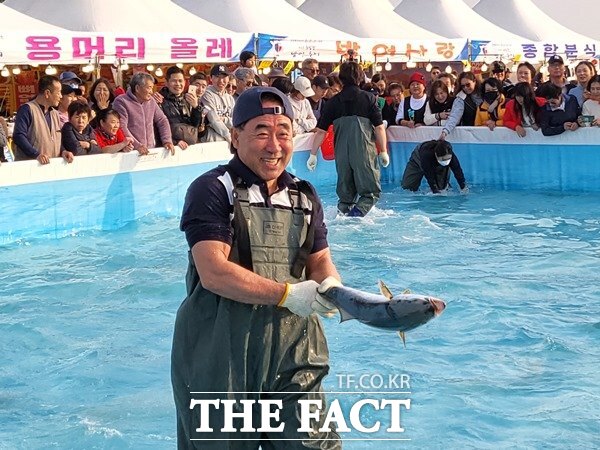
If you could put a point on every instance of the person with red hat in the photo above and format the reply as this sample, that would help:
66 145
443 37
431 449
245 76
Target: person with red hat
411 112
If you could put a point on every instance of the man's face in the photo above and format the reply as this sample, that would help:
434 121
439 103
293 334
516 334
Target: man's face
201 86
265 144
54 95
176 84
79 121
219 82
319 92
555 102
333 90
144 91
556 70
242 85
435 73
311 70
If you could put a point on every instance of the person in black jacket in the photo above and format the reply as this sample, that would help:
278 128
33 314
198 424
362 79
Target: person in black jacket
182 110
433 160
560 112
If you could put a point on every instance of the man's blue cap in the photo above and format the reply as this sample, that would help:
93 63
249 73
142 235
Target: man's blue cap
249 105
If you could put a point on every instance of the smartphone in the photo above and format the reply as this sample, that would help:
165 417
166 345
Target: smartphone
192 89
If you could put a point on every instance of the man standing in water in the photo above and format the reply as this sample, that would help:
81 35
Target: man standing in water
357 126
248 329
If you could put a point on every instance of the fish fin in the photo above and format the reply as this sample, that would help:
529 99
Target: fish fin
402 335
407 291
344 315
385 291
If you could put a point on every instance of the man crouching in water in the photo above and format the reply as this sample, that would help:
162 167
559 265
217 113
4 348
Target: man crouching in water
248 329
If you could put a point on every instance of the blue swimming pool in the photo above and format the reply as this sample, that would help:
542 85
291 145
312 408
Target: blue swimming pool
86 324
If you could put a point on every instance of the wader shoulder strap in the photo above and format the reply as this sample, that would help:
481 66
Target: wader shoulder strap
241 250
300 262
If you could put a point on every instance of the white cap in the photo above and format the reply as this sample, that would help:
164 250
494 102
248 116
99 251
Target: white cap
303 85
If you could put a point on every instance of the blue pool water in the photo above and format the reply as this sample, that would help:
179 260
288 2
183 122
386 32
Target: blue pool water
86 324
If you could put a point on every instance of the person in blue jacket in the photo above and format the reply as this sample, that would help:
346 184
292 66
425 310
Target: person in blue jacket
433 160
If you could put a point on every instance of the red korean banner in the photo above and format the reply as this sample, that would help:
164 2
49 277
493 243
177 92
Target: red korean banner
80 48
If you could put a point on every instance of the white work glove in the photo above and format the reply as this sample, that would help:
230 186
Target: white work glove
311 164
326 284
384 159
302 299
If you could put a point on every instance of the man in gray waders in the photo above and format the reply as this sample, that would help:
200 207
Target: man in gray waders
357 126
247 329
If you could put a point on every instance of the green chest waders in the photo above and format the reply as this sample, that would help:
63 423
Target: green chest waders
232 350
358 177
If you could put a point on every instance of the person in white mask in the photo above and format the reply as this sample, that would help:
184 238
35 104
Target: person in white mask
433 160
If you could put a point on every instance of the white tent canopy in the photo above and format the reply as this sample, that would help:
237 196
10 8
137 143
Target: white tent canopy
158 16
453 19
13 20
366 19
261 16
524 18
581 16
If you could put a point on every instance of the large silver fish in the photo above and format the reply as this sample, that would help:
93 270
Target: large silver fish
402 312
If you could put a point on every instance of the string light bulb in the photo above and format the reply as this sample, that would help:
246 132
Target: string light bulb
5 73
16 70
484 67
388 65
411 64
428 67
150 67
159 72
51 70
448 69
88 68
192 71
124 66
180 65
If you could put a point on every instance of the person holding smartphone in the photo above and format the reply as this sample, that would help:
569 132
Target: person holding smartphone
182 108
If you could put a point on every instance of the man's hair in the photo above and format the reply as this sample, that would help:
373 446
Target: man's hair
442 148
139 79
284 85
173 70
246 55
308 61
79 107
198 76
351 73
242 73
47 83
549 90
435 68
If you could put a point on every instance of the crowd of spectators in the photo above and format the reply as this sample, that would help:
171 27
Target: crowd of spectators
60 121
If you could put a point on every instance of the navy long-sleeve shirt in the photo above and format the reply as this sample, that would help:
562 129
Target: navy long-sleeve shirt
22 124
552 123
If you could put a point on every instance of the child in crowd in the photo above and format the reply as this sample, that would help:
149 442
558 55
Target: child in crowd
591 107
77 136
524 111
439 104
491 112
109 135
560 112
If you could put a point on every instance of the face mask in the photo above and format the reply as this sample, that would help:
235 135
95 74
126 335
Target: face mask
489 97
444 163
